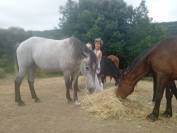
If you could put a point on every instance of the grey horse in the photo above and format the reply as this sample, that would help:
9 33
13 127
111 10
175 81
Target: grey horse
67 56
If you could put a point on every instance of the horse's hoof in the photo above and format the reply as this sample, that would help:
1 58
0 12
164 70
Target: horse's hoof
79 90
21 103
152 117
69 101
167 114
153 99
37 100
77 103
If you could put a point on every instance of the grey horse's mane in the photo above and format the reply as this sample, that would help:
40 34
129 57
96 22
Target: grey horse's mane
85 51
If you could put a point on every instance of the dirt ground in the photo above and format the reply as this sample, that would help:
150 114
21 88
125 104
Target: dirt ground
54 115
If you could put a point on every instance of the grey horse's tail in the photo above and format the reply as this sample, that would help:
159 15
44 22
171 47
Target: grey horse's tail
16 60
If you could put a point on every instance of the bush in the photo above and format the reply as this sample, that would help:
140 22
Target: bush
2 73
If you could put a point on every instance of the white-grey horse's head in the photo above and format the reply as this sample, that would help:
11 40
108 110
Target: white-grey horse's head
89 67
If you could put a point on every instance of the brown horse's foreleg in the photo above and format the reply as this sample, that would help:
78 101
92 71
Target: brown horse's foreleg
169 95
116 81
154 90
160 81
31 85
18 82
103 78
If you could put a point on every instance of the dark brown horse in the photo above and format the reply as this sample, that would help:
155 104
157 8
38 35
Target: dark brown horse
162 62
114 59
108 69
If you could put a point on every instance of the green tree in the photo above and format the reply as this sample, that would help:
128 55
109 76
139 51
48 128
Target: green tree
124 29
9 38
142 33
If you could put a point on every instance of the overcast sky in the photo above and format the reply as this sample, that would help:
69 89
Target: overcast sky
43 14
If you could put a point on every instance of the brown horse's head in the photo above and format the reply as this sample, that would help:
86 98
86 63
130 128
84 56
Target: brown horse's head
125 87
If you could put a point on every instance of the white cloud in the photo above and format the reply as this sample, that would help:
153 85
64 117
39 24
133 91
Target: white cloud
159 10
30 14
162 10
44 14
135 3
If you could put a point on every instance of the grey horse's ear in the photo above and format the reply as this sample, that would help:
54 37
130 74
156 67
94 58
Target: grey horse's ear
86 56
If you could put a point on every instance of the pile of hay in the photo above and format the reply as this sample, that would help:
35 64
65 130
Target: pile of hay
105 105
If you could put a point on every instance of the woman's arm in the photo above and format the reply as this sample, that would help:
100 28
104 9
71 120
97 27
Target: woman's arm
99 54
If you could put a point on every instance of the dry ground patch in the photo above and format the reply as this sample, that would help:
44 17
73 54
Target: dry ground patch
54 115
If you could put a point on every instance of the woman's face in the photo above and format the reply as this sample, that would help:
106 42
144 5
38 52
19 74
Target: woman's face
97 45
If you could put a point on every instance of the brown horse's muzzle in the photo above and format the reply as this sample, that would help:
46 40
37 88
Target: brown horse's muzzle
120 94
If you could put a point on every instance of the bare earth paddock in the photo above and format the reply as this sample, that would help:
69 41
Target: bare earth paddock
54 115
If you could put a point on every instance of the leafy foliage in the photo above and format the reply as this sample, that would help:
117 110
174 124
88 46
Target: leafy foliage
9 39
170 28
52 34
125 30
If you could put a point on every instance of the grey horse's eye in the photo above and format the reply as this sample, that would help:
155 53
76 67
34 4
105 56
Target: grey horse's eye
87 68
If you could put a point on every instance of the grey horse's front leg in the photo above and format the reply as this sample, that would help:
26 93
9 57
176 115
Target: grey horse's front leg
75 96
75 87
68 83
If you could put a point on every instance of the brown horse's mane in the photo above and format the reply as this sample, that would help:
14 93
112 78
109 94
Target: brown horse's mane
137 61
142 57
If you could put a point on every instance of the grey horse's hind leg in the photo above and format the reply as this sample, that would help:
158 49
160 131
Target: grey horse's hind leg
18 82
31 84
67 78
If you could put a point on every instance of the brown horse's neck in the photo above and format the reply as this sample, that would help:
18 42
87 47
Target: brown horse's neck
137 71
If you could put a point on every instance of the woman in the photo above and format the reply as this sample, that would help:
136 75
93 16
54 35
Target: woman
98 52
